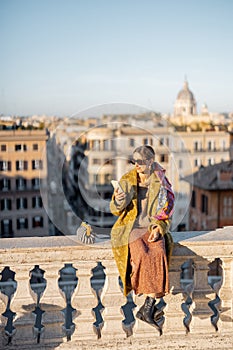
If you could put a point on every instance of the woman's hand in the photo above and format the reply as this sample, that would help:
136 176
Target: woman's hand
119 196
154 235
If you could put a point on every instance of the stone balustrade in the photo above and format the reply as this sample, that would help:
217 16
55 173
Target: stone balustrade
54 289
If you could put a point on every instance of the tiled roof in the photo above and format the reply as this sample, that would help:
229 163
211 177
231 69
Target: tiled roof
214 177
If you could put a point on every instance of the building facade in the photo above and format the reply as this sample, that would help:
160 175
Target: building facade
22 173
212 197
106 154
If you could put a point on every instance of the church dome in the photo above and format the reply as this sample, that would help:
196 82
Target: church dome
185 93
185 102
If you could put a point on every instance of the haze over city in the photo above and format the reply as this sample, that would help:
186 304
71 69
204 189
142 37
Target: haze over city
61 57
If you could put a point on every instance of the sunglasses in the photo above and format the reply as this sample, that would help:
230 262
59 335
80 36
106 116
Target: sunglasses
138 161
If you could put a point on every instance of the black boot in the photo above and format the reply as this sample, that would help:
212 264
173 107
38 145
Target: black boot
145 313
157 314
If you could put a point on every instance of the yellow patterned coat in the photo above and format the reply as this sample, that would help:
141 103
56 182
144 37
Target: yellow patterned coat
160 208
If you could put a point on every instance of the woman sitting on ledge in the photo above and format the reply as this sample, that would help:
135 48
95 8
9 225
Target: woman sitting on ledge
141 241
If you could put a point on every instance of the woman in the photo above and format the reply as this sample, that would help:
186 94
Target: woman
140 238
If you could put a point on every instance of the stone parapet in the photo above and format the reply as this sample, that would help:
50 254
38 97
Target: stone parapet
40 277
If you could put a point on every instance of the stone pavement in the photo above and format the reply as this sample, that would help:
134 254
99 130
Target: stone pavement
183 342
166 342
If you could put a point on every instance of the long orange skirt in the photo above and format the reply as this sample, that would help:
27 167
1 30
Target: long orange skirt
149 264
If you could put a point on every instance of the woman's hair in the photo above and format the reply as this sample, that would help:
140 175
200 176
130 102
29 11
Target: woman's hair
146 152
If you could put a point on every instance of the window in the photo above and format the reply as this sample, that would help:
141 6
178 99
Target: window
131 142
106 145
204 204
5 184
180 163
5 165
223 144
96 179
210 161
161 141
145 141
108 162
96 161
193 199
96 145
6 228
227 206
37 221
113 145
107 178
36 164
21 165
197 146
211 145
36 183
5 204
36 202
182 146
21 203
3 148
196 162
20 147
35 147
21 184
22 223
163 158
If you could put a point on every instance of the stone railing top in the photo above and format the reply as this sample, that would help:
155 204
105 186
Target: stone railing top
48 242
188 238
222 235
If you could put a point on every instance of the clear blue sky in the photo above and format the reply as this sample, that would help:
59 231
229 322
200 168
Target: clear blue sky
62 56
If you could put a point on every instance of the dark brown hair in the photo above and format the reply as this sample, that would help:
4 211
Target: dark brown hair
146 152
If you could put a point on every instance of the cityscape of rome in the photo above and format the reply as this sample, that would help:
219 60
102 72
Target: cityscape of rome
83 84
57 172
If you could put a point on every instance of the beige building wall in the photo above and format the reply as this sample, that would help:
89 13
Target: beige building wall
23 170
180 152
190 150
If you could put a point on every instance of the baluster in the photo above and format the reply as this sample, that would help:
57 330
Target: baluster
173 313
97 285
38 284
53 302
113 299
202 294
8 286
226 295
129 320
215 281
67 283
187 285
84 301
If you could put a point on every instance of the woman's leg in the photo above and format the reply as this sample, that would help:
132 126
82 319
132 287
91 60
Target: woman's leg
149 267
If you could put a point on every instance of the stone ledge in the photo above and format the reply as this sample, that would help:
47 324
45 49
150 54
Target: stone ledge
223 235
52 252
218 243
176 341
